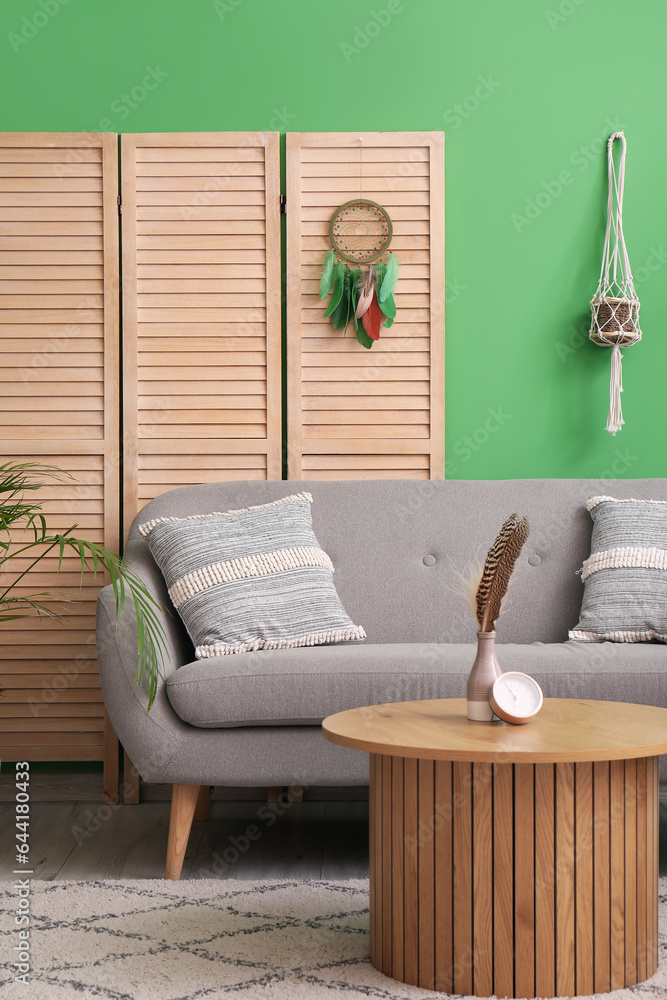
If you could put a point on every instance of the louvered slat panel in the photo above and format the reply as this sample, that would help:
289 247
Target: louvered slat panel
201 258
59 377
353 413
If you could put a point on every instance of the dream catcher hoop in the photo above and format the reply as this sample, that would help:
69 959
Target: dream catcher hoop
360 232
615 306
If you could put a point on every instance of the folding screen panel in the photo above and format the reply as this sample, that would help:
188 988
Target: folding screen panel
201 310
59 386
355 413
201 349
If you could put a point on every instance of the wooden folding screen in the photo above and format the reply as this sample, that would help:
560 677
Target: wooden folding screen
59 386
354 413
201 310
201 352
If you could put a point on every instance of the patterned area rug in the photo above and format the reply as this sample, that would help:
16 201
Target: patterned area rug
279 940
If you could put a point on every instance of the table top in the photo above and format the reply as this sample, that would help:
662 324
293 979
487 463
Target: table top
565 729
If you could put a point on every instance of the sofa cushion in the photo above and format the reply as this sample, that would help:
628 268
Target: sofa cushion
625 577
303 686
250 579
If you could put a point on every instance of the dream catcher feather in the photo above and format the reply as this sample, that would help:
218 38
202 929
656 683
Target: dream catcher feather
359 282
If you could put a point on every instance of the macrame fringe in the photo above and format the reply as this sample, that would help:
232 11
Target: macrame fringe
615 419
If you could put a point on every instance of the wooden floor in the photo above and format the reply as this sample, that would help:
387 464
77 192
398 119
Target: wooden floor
79 837
244 836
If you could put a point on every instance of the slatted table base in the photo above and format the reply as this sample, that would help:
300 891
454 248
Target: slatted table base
517 880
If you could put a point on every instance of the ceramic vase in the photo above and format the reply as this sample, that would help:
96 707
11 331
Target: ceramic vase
481 678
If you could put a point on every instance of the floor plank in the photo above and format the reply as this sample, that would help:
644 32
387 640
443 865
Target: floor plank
55 830
53 786
249 839
123 842
86 786
270 840
345 848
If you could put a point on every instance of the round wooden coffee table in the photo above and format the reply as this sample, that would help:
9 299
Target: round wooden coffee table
515 860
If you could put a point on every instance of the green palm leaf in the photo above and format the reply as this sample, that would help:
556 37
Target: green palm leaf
24 533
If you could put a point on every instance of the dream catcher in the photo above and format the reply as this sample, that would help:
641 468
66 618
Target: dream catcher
360 283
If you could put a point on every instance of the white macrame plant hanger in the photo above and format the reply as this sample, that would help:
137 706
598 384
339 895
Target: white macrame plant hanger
615 307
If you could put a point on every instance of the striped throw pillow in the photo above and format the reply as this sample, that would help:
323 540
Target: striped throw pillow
250 579
625 577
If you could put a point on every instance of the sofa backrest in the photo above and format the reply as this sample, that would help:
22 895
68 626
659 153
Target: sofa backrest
399 545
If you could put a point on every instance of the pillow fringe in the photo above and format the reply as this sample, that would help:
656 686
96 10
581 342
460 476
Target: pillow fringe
146 528
311 639
596 501
625 557
645 635
246 567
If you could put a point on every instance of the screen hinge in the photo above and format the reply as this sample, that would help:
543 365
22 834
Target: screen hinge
283 204
119 202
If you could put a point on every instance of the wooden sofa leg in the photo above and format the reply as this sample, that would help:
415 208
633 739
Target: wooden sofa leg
295 793
203 802
274 793
183 803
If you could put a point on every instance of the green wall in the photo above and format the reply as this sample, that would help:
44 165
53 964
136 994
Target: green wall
525 91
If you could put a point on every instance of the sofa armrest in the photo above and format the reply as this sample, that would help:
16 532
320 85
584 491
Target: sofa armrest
150 738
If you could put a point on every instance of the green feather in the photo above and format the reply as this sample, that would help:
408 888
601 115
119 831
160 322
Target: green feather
354 298
350 299
363 338
339 281
327 275
389 280
341 314
389 309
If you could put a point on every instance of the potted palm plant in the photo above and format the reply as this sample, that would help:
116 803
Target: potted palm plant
25 540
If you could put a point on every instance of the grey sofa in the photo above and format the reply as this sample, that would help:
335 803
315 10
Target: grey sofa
253 718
